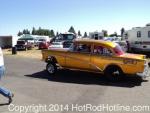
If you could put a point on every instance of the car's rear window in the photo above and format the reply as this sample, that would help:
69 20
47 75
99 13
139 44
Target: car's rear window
118 50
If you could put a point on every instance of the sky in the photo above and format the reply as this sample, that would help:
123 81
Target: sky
83 15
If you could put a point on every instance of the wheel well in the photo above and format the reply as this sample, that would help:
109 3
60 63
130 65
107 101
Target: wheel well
51 59
112 66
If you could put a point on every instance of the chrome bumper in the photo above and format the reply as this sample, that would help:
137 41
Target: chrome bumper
146 72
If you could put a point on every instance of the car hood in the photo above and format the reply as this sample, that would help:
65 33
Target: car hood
133 56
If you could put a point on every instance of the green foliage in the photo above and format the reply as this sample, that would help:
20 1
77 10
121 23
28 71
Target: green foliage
114 34
33 31
40 31
26 31
52 34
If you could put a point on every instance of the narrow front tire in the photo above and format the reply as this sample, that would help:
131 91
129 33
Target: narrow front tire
51 68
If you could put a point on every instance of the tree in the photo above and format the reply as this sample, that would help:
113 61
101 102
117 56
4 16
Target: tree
57 33
72 30
79 33
33 31
52 34
20 33
105 33
85 34
40 31
114 34
26 31
122 32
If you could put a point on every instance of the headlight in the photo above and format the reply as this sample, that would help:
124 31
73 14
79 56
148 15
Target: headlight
144 56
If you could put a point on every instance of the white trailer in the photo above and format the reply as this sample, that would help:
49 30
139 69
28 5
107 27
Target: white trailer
96 35
14 40
5 41
37 37
139 38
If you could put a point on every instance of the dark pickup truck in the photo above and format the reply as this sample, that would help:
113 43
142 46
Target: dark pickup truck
23 45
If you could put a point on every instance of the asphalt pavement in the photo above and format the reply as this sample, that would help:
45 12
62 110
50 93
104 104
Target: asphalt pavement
69 91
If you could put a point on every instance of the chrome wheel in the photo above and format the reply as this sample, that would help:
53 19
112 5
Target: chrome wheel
116 73
51 68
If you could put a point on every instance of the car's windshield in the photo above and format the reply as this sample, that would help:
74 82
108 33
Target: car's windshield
26 39
20 42
68 37
65 37
41 39
118 50
56 43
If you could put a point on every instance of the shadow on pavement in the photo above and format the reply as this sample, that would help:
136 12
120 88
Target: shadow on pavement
86 78
4 104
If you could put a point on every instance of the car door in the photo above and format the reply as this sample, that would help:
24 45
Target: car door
100 57
79 57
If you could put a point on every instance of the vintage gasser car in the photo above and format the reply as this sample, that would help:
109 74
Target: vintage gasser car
97 56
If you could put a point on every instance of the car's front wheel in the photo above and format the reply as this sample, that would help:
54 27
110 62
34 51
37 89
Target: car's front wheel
51 68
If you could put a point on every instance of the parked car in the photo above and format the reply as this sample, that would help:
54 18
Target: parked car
97 56
118 40
123 45
23 45
38 41
56 45
66 39
29 40
43 45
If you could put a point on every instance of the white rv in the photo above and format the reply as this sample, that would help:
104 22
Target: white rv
139 38
96 35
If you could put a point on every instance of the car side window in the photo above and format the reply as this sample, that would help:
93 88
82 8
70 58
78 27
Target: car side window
100 50
82 48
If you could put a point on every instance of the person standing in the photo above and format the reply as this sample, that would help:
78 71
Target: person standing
5 92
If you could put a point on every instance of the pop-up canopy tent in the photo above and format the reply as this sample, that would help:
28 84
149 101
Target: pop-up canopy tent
26 37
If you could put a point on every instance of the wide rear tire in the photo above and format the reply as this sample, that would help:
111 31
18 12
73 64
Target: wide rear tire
114 74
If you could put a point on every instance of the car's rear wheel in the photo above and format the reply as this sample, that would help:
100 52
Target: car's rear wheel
51 68
114 74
